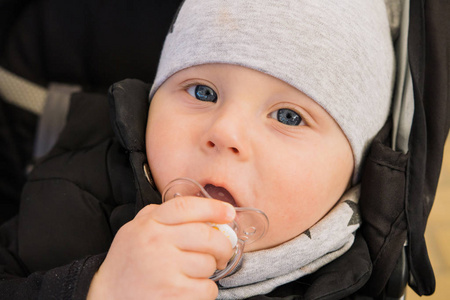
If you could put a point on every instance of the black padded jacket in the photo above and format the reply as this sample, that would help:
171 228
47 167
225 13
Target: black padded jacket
93 182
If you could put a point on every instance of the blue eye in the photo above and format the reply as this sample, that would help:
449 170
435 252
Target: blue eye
287 117
203 93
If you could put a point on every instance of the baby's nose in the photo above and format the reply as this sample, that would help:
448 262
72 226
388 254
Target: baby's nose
228 133
211 144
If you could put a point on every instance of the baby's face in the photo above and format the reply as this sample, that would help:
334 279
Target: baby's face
268 144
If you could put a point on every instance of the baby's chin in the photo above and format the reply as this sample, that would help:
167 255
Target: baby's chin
259 245
266 242
271 240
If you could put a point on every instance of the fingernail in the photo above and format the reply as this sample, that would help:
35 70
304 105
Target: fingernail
231 212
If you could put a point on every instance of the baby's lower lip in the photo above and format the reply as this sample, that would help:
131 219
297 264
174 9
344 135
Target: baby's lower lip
220 193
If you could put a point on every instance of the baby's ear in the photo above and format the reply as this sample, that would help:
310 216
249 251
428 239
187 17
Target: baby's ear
128 102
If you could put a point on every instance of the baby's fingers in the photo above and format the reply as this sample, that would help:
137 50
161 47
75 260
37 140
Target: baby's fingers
202 238
190 209
198 265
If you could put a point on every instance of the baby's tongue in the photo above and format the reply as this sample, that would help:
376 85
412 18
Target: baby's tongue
220 193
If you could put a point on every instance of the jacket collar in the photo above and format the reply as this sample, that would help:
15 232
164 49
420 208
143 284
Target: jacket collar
129 104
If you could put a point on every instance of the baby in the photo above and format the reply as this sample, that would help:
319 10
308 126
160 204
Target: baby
269 105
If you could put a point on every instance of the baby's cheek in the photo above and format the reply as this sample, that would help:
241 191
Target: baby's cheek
285 224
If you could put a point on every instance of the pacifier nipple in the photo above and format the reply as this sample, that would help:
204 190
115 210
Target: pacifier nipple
249 225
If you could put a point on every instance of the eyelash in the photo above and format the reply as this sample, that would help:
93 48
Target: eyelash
193 83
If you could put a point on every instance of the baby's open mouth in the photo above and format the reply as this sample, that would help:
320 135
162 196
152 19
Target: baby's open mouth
220 193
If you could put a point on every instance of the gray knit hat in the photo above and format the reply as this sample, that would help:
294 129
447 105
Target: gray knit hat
338 52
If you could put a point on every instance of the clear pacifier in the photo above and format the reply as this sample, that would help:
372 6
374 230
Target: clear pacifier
249 225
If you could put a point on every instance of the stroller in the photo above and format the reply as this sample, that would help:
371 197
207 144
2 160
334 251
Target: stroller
86 45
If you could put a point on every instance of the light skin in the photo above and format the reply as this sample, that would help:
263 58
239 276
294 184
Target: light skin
270 145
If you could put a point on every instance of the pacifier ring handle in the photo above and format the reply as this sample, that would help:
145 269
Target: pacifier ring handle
233 263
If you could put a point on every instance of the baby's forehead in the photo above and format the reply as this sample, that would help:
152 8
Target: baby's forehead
229 76
231 73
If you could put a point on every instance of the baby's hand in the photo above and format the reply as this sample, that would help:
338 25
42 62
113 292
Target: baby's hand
167 252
